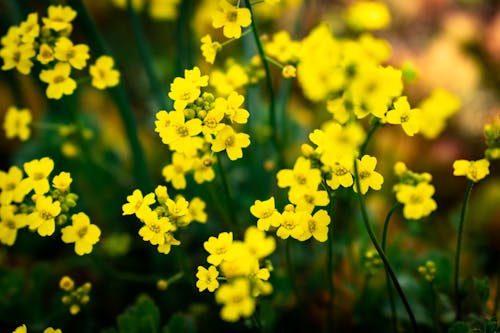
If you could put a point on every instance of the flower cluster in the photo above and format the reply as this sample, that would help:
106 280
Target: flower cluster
47 208
492 136
239 265
200 125
74 298
428 270
415 192
165 217
50 45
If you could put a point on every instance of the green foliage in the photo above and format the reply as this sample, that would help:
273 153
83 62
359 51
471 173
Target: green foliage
142 317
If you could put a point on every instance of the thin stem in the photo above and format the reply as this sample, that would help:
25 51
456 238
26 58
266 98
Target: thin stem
458 305
331 288
289 265
380 251
256 321
272 112
375 126
119 94
147 59
230 203
435 315
387 278
175 278
275 62
229 41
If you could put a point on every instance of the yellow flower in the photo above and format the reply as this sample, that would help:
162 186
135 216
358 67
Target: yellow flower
341 174
59 18
167 245
21 329
12 187
66 283
38 172
231 107
291 225
474 170
316 226
60 83
435 110
218 247
209 48
45 54
175 172
207 279
194 76
179 134
402 114
75 55
266 213
18 57
10 222
163 9
177 208
43 218
230 141
16 123
368 177
62 181
82 233
231 18
154 228
368 15
302 175
236 299
203 171
257 243
183 92
52 330
305 199
103 74
289 72
29 29
137 204
417 200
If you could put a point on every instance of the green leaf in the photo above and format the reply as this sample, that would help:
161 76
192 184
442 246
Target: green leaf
459 327
142 317
180 323
482 288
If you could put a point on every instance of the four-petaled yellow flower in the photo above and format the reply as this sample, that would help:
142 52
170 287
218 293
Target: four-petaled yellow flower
16 123
82 233
18 57
43 218
60 83
103 74
266 213
137 204
10 223
154 228
236 299
474 170
218 247
231 18
404 115
75 55
59 18
38 172
368 177
230 141
417 200
207 278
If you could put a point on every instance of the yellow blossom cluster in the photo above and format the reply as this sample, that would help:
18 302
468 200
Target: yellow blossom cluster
239 265
415 192
46 208
74 298
165 217
50 45
428 270
199 126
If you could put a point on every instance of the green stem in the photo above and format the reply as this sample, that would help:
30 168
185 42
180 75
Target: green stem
274 62
147 59
229 41
380 251
119 94
230 203
331 286
387 277
497 296
291 270
174 278
374 128
272 112
458 305
435 315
